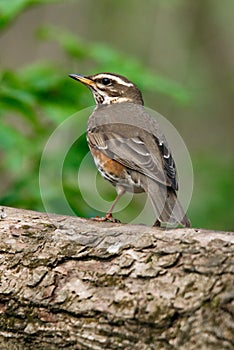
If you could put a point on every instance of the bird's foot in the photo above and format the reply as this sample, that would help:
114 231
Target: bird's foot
108 217
157 223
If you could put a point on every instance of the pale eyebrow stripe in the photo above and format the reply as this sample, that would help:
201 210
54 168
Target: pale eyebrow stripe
117 79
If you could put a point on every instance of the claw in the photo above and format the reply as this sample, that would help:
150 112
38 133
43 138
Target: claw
108 217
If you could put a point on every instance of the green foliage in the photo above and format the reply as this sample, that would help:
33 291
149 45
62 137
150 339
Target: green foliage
210 206
9 10
29 113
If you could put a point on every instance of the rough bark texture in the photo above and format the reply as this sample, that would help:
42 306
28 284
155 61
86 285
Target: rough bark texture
72 283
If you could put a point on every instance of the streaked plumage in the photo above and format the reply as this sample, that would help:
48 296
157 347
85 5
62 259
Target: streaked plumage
128 147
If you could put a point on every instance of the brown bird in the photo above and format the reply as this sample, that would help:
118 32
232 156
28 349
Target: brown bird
128 147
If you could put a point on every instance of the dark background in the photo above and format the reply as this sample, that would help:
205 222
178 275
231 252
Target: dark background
179 52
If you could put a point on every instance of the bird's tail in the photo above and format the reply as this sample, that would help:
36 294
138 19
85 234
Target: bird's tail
172 212
166 205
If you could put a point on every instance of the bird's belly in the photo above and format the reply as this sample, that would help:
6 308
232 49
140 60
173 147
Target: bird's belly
116 173
124 181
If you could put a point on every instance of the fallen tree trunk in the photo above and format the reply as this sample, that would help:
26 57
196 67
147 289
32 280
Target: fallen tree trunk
71 283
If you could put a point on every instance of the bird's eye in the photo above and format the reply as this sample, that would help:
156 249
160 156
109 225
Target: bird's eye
106 81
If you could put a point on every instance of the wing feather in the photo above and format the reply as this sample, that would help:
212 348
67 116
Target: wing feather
135 154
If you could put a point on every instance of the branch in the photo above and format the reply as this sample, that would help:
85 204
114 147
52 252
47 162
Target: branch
72 283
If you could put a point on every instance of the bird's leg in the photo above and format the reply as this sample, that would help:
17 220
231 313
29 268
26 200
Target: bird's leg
109 216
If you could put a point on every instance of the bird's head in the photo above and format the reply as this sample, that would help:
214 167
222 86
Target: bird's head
108 88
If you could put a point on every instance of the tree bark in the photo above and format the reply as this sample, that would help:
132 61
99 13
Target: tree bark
72 283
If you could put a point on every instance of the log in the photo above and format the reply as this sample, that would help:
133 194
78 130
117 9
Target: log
71 283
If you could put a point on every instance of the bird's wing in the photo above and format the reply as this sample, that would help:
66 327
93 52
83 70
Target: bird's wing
144 153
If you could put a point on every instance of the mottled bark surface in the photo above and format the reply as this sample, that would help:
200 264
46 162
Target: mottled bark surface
72 283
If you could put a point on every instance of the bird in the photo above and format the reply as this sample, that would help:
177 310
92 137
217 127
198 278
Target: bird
129 149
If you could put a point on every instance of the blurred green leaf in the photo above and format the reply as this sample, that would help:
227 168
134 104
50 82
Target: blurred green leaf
40 77
69 42
10 9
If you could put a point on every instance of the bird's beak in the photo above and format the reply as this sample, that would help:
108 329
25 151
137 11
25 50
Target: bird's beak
82 79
